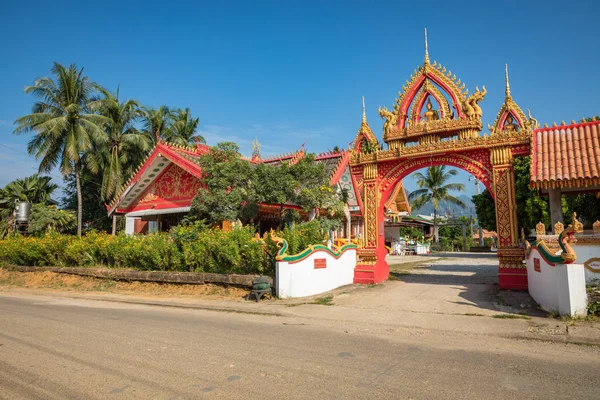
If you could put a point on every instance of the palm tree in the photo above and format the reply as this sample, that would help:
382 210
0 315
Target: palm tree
65 130
157 122
33 189
183 129
432 187
124 143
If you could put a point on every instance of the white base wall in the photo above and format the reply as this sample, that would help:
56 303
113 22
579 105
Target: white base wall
318 273
557 288
589 255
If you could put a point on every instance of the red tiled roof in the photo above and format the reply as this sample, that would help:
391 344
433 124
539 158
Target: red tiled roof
566 156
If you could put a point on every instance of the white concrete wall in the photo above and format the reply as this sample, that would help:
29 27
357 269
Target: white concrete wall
557 288
301 278
130 225
586 252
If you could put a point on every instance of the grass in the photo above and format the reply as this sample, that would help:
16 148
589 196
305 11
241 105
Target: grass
397 270
510 316
324 301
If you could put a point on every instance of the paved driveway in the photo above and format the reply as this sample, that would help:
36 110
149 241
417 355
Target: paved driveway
448 283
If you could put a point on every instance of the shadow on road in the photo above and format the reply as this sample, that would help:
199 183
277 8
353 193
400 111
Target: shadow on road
474 277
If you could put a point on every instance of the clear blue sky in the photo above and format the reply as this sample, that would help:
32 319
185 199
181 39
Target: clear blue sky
293 71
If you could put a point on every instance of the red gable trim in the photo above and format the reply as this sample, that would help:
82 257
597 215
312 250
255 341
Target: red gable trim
170 154
339 170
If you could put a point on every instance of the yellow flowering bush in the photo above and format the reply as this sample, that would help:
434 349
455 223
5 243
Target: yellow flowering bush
193 248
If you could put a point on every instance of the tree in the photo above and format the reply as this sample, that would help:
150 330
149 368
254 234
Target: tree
305 184
47 218
586 205
312 192
94 210
531 208
156 122
125 145
33 189
65 130
433 187
485 209
275 185
183 128
228 192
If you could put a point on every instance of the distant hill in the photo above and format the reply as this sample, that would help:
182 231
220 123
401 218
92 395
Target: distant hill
449 209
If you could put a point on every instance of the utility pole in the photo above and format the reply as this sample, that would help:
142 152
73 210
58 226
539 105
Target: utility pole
479 222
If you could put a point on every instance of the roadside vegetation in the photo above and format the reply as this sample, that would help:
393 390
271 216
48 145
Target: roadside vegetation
191 247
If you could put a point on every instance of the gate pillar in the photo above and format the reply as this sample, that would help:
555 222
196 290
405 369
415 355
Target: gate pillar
512 273
371 266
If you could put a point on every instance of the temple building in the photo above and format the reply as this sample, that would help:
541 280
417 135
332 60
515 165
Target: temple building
565 159
160 192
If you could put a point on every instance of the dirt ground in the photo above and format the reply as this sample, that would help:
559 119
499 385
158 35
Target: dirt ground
65 282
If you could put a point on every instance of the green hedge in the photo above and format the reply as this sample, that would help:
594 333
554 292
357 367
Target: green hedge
192 248
184 249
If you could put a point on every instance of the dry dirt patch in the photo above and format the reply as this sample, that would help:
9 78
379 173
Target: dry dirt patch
66 282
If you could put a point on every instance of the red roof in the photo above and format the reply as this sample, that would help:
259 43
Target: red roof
566 156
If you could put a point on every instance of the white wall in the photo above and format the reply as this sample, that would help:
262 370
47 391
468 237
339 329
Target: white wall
557 288
586 252
130 225
301 278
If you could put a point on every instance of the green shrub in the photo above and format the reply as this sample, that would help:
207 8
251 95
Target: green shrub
302 235
191 247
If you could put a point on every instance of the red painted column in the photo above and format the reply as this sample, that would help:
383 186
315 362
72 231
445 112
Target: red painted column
512 273
371 266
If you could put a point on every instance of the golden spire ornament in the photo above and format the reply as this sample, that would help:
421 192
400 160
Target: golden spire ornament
426 49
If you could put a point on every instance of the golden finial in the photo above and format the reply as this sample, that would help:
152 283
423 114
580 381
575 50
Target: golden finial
554 123
426 49
364 116
545 124
562 123
507 84
573 122
540 228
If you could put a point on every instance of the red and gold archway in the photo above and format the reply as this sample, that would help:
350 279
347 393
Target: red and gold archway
418 136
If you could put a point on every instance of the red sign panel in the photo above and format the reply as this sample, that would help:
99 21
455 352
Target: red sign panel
320 263
536 265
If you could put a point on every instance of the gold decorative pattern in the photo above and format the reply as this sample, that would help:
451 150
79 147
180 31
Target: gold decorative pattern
514 141
371 206
591 263
540 228
433 91
370 171
511 258
558 228
506 213
596 227
501 156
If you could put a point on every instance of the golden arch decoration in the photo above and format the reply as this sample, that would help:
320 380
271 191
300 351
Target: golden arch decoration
472 163
419 101
450 141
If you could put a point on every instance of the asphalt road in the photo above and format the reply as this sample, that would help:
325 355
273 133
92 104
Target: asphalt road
80 349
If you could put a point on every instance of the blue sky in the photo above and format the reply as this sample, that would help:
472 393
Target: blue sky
287 72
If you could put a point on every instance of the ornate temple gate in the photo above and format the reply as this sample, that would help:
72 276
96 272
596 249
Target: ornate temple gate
449 135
